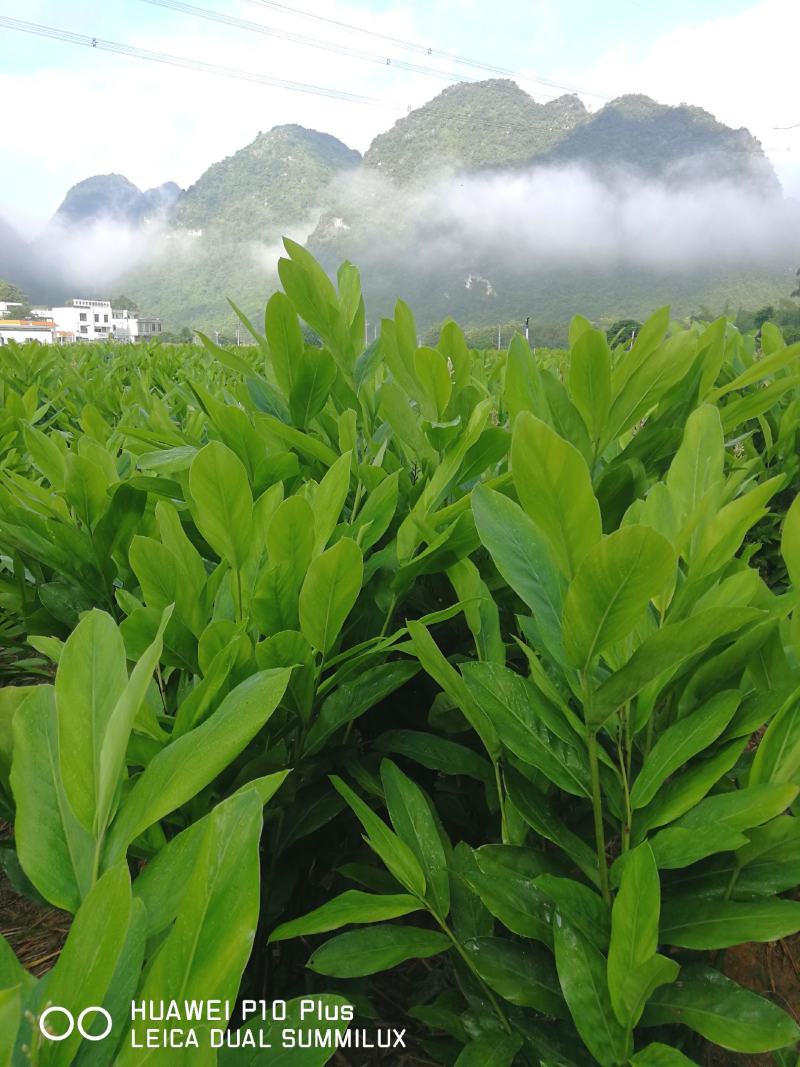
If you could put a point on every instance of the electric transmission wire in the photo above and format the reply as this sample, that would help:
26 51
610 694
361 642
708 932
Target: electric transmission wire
438 53
297 38
192 64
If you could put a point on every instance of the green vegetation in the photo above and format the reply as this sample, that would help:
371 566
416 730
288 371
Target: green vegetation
447 683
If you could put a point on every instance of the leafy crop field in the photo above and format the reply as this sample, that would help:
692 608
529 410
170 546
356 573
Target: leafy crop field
455 689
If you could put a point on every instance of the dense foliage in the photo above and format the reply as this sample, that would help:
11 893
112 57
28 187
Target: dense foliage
502 655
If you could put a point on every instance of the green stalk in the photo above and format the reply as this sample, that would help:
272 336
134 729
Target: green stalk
597 807
501 801
489 994
597 795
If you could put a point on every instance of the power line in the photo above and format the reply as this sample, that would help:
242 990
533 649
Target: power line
192 64
438 53
297 38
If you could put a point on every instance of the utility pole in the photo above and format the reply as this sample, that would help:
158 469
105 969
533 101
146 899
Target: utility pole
216 334
498 338
527 328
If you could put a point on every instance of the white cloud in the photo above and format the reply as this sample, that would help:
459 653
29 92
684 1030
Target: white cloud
169 123
741 67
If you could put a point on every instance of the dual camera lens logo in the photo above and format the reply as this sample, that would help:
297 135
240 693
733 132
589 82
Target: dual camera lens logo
71 1023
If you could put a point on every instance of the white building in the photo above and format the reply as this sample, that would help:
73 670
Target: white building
22 330
93 320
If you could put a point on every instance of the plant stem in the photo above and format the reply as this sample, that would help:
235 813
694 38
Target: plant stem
627 823
389 614
597 807
489 994
500 799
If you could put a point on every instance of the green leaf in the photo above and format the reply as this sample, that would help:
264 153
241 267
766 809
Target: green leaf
522 555
555 488
777 757
509 701
511 898
580 905
330 590
379 948
664 651
352 906
329 499
313 380
186 766
430 367
790 542
722 1012
582 975
393 851
413 821
90 679
714 924
87 962
285 339
658 1055
612 589
55 851
223 503
319 1023
378 511
680 742
522 974
436 753
495 1051
537 812
205 952
448 679
10 1018
290 538
634 968
590 380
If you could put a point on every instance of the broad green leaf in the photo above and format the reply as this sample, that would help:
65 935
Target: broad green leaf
436 753
414 822
87 962
665 650
658 1055
495 1051
330 590
790 542
451 682
379 948
10 1018
535 809
431 370
523 974
189 764
509 702
205 952
680 742
715 924
90 680
555 489
285 339
590 380
378 511
314 377
329 499
777 757
350 907
352 698
392 850
164 880
319 1023
55 850
223 502
722 1012
512 899
720 537
582 975
290 538
612 589
522 555
634 968
580 905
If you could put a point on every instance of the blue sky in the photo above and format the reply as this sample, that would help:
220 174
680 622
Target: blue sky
96 112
